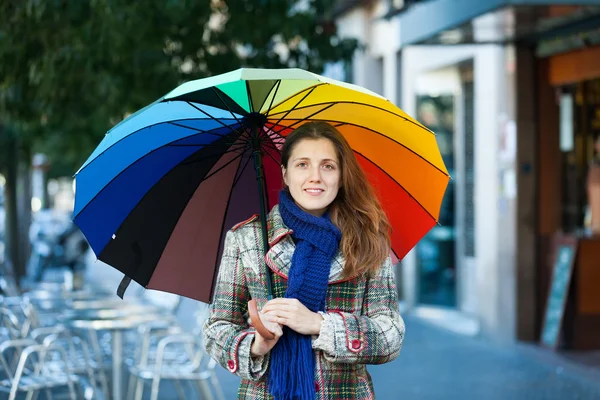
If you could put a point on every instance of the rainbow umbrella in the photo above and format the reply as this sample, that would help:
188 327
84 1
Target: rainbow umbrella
158 194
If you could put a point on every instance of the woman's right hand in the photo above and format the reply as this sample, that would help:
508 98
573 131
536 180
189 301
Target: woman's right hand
260 345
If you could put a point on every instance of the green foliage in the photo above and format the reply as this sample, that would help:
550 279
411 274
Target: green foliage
69 70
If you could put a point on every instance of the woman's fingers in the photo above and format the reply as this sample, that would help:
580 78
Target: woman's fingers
282 304
288 312
286 318
271 317
270 308
281 317
271 323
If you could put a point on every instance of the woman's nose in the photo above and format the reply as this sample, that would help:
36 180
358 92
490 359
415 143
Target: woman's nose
315 175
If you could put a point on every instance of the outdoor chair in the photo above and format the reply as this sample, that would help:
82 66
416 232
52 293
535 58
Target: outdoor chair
32 373
24 323
79 358
193 365
172 354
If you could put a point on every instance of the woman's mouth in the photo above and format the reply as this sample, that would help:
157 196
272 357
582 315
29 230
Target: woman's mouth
314 192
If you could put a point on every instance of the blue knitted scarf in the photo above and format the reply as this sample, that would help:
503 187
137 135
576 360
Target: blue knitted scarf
292 365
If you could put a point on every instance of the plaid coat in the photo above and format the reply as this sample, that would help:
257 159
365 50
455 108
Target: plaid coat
362 324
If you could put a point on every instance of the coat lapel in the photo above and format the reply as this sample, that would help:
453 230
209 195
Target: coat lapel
279 256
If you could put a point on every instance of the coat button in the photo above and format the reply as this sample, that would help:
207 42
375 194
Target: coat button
317 387
356 344
231 365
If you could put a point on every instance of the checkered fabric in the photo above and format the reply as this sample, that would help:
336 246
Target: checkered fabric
362 324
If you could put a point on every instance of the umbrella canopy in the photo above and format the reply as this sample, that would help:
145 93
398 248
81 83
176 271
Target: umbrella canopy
158 194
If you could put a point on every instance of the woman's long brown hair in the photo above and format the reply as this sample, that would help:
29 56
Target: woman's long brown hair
356 210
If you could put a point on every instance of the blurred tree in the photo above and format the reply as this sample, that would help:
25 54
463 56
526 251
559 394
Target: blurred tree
69 70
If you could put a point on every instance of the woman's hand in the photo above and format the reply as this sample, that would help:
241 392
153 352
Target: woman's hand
260 345
293 314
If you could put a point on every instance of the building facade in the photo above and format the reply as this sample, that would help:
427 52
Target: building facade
479 73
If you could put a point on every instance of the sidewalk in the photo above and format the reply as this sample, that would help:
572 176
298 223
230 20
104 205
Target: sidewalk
438 364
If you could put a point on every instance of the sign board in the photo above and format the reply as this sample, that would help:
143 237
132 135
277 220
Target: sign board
565 251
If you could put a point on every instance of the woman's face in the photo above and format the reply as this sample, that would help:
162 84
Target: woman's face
313 175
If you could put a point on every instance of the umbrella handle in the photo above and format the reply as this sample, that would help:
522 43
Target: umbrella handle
257 322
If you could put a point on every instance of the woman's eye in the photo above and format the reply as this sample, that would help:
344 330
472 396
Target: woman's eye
328 166
301 165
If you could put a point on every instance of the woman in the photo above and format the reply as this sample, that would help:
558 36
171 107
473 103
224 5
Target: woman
335 307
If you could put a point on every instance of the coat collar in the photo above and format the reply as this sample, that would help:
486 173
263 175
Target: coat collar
279 256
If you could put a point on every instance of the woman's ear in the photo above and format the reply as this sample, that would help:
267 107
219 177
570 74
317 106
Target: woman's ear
284 175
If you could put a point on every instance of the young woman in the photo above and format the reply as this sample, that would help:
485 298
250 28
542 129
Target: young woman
335 305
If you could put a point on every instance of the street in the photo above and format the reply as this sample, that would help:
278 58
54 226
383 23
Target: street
438 364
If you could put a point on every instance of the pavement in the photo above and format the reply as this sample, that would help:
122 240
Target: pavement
436 363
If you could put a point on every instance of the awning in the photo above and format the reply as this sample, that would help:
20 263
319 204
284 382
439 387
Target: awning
497 21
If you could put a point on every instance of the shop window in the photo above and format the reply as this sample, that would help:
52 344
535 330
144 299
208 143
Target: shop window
436 251
579 130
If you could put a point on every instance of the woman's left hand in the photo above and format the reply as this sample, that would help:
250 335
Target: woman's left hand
293 314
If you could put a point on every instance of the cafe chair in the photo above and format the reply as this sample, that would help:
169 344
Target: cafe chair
32 373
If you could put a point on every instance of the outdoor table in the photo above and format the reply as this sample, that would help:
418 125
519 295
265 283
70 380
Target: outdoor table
116 326
109 313
55 302
101 303
62 295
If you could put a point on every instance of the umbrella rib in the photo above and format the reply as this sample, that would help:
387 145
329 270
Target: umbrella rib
268 144
359 103
213 118
200 131
241 171
267 138
273 158
266 141
119 174
136 132
232 147
225 104
304 119
278 84
273 98
387 137
221 238
277 132
195 129
397 183
201 159
312 89
249 96
243 147
197 145
221 167
264 137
